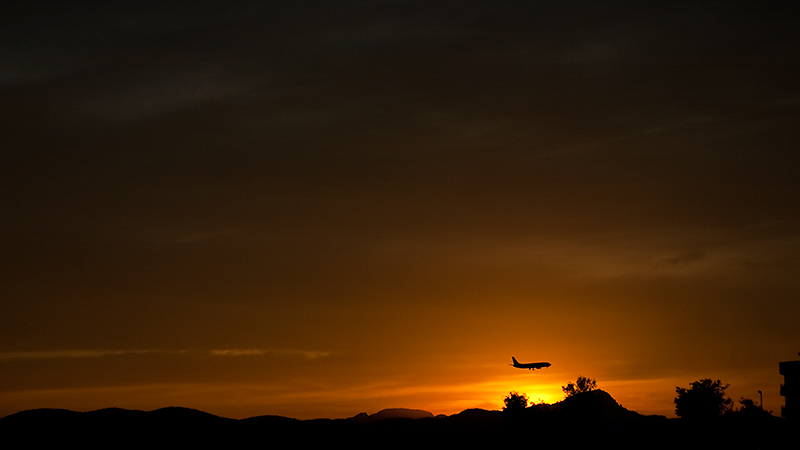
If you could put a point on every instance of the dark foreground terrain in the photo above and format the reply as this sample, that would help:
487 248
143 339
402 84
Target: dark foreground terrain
592 418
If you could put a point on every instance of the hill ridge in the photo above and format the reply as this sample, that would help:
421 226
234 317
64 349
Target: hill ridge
585 419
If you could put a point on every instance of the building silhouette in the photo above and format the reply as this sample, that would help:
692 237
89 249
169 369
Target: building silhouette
790 389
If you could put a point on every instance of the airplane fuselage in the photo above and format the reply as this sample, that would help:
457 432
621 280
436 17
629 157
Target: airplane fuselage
529 366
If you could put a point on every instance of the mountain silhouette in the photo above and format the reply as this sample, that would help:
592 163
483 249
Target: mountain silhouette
590 418
597 405
392 413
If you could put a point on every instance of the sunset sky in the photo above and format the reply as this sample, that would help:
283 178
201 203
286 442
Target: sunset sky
318 208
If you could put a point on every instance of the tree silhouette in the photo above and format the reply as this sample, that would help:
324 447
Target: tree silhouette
515 402
750 408
705 399
583 384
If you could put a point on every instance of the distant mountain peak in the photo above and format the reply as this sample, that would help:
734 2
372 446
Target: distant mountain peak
392 413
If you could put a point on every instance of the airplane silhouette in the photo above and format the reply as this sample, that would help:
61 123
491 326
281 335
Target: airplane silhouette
530 366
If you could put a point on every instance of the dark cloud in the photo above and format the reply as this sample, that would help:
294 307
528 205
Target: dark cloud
685 258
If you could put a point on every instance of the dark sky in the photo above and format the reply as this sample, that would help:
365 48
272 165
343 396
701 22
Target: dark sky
319 208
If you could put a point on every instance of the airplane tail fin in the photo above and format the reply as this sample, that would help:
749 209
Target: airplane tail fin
515 361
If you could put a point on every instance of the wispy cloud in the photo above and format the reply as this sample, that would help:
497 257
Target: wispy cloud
60 354
309 354
684 258
52 354
662 128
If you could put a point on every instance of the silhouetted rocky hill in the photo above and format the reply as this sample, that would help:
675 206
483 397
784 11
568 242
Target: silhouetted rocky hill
392 413
592 418
596 405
